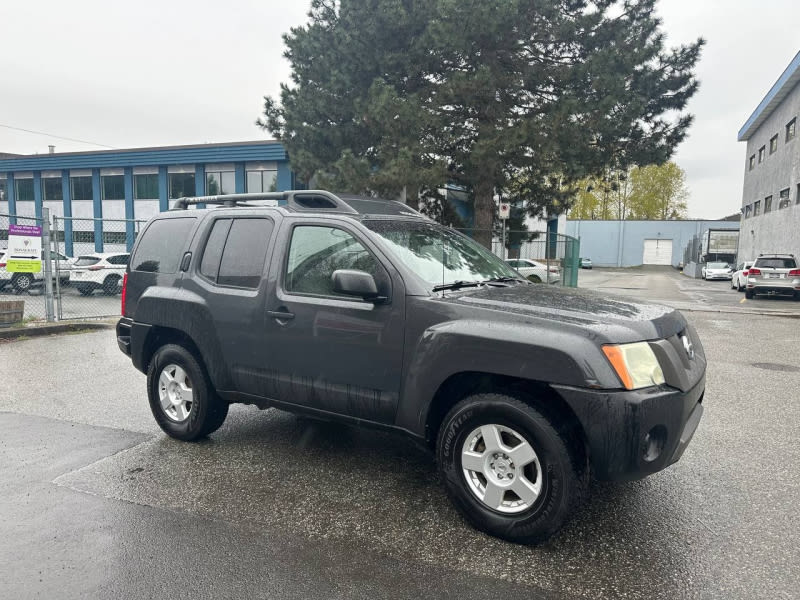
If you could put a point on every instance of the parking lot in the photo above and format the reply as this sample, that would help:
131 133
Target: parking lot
100 503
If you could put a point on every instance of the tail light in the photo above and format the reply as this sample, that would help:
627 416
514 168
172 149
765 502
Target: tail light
2 265
794 273
754 271
124 293
96 268
745 273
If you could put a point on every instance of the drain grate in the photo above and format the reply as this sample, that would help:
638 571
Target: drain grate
776 367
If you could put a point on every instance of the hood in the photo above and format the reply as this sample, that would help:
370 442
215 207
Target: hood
615 319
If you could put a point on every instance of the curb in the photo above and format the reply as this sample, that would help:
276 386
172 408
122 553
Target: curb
50 329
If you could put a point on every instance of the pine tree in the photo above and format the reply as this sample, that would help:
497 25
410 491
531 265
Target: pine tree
392 95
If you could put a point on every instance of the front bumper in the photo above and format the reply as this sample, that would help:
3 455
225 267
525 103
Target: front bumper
724 276
632 434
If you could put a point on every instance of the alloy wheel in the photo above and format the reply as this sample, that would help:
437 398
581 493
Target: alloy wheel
501 469
175 393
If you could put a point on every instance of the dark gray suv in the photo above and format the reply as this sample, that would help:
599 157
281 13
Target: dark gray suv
365 311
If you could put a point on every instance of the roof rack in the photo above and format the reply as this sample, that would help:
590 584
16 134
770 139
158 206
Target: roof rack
314 200
306 201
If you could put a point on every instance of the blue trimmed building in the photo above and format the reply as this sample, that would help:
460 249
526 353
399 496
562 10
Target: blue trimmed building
133 184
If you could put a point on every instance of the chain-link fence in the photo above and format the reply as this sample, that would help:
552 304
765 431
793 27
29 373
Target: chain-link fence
86 262
542 257
22 295
92 255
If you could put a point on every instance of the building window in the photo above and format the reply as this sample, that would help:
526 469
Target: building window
756 208
767 204
784 199
83 237
181 185
761 152
112 187
220 182
24 190
81 188
114 237
791 129
747 210
3 190
145 187
51 188
262 181
753 162
797 195
773 144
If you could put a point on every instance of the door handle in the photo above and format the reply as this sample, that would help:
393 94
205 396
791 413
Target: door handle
281 315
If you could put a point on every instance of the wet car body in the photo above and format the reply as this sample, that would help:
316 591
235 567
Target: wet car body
413 346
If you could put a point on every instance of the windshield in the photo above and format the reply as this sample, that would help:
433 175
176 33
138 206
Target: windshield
439 255
717 265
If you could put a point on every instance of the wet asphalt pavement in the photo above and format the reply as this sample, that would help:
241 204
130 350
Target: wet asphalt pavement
98 503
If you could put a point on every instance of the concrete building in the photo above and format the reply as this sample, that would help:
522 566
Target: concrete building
85 187
770 219
634 243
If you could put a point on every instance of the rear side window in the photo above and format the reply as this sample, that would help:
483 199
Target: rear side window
209 266
776 263
161 246
121 259
235 252
86 261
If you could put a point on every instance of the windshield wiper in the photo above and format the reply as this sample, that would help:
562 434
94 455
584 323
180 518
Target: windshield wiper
504 280
455 285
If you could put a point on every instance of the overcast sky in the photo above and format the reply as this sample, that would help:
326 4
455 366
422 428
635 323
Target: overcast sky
152 73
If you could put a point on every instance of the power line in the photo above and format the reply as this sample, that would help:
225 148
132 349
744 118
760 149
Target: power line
61 137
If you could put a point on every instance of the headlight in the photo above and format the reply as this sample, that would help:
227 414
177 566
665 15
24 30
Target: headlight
635 364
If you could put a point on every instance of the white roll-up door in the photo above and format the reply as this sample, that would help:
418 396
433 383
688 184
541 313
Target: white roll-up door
657 252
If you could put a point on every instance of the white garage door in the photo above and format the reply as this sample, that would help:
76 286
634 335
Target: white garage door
657 252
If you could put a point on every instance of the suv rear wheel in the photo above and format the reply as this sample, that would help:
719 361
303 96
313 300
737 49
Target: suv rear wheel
111 285
181 397
22 282
508 469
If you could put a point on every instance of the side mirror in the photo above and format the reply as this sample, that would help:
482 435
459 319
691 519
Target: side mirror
356 283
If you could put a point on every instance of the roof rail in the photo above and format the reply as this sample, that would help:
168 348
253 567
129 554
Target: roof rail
306 200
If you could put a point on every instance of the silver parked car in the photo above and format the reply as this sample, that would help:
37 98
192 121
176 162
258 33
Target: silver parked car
774 275
717 270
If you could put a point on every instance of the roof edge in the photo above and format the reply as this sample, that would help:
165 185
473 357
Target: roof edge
786 81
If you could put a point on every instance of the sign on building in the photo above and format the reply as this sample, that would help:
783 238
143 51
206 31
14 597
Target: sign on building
24 253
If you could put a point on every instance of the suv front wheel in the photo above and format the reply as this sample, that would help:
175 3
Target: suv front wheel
507 469
181 397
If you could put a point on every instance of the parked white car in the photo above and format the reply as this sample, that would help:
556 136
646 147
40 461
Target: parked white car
739 280
22 282
534 270
99 271
717 270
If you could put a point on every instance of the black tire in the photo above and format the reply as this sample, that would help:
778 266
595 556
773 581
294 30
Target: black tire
749 294
563 470
22 282
111 285
534 279
207 412
84 290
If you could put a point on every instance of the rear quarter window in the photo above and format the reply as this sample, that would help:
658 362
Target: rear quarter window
162 244
86 261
